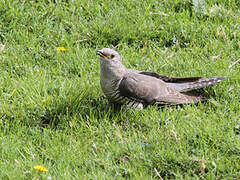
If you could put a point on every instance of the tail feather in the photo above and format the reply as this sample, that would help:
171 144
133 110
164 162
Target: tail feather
200 83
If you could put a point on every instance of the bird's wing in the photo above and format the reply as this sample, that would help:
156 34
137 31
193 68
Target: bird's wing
167 78
149 90
137 89
186 83
170 79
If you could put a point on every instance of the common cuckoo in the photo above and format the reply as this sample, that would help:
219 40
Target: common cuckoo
137 89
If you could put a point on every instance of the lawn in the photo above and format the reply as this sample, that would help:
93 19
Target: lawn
52 109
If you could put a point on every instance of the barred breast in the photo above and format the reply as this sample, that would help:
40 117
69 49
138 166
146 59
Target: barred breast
113 95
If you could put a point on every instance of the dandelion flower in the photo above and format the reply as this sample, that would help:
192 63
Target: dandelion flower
40 168
61 49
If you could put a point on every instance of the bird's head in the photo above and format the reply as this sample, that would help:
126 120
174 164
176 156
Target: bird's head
109 54
110 63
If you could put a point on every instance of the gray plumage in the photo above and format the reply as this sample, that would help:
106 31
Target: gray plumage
137 89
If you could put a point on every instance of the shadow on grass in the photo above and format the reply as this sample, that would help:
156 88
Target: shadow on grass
78 106
87 110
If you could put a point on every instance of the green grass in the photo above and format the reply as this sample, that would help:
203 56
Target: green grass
52 107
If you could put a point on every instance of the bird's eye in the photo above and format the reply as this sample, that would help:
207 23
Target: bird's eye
112 56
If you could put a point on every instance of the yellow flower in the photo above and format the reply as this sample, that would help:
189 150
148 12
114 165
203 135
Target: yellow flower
40 168
61 49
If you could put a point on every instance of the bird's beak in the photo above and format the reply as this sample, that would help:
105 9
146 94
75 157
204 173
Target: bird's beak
100 53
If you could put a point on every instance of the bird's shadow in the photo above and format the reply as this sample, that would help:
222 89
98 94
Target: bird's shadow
89 110
83 107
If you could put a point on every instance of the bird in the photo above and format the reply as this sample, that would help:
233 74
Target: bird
137 89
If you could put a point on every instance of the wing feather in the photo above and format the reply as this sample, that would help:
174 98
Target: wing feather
148 90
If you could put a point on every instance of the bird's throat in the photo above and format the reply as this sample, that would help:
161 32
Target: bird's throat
112 70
